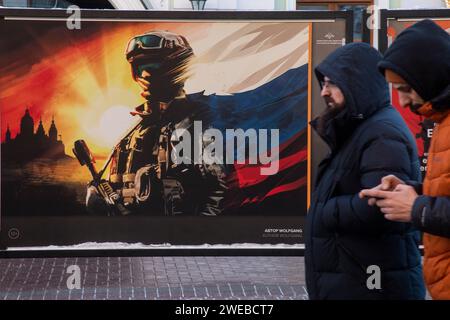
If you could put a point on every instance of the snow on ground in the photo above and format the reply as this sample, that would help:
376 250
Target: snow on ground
123 245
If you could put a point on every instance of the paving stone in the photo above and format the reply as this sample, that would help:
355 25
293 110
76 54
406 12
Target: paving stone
150 278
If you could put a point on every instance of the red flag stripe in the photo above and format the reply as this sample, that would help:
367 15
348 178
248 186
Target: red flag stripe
251 175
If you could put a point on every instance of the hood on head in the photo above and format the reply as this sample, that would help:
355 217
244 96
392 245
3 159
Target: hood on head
421 55
353 68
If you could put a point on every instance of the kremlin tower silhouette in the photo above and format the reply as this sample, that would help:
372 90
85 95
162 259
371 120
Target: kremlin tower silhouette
28 145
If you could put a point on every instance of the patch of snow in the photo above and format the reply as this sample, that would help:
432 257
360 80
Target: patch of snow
125 246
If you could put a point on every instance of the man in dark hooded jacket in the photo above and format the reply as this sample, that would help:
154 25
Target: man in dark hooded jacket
351 251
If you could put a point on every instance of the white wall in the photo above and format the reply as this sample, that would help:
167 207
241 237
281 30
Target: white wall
159 4
418 4
186 4
224 5
210 4
234 4
256 4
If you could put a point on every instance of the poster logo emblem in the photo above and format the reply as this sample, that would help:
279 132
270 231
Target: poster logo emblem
329 36
14 233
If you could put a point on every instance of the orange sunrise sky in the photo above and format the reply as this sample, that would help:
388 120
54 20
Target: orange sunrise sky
82 79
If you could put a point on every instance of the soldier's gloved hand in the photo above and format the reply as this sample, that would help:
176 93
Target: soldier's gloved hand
95 204
93 183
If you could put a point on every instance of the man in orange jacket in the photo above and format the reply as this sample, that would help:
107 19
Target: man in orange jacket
418 66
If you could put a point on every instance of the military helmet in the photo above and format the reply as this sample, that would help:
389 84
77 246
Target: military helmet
160 49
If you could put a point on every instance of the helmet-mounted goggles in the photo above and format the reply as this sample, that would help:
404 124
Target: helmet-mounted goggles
154 49
142 44
158 43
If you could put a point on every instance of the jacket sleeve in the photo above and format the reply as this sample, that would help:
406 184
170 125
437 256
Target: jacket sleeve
432 215
418 186
379 157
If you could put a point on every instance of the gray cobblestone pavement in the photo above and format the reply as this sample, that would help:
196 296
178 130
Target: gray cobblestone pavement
154 278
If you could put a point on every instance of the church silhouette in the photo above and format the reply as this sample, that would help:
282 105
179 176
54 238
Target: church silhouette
29 145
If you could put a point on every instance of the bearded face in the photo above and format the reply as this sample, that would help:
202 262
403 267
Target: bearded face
325 117
335 103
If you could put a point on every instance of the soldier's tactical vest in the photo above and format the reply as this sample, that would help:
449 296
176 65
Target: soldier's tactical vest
141 161
134 152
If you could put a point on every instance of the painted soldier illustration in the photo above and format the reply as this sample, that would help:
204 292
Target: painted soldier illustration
143 177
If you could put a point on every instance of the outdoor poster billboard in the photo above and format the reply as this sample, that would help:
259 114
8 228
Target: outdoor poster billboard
159 128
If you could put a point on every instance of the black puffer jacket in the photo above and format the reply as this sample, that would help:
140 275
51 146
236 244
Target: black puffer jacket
344 235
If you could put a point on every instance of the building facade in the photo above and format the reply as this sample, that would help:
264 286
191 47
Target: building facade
29 144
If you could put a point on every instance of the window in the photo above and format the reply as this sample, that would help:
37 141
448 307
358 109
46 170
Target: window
358 7
312 7
358 20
